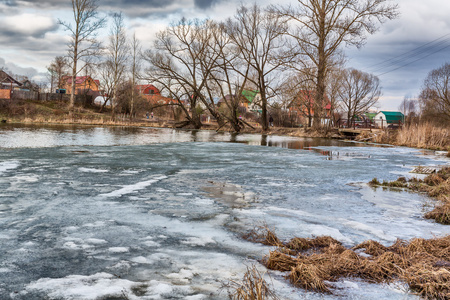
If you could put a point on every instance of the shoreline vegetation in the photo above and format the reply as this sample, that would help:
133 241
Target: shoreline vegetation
425 136
314 264
435 185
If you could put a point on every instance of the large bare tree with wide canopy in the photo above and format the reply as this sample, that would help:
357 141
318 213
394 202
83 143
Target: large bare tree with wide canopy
321 27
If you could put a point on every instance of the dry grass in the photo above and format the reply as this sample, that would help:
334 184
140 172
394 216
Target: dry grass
418 136
251 287
313 263
263 235
424 136
436 185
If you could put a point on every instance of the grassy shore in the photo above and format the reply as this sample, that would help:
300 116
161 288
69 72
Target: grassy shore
315 263
436 185
38 112
425 136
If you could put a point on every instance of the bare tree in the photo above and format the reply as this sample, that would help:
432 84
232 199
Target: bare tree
182 64
258 36
117 52
135 69
409 108
227 79
435 94
320 27
57 70
358 92
83 45
300 89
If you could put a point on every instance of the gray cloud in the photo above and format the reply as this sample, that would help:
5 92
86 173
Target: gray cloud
204 3
14 69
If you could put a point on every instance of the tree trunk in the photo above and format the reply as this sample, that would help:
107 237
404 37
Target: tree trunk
264 123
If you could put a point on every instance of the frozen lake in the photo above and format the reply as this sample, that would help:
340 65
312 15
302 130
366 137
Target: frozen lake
116 213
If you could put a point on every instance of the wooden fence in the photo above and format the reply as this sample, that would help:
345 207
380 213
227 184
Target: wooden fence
344 123
35 96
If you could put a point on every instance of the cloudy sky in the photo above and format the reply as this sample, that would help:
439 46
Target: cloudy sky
401 53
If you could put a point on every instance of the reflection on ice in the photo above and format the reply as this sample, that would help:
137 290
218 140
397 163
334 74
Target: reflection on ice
155 219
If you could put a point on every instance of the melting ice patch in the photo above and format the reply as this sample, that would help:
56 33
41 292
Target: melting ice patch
8 165
81 287
198 241
129 189
92 170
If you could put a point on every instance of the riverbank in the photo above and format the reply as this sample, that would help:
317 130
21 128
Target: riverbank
317 264
424 136
35 112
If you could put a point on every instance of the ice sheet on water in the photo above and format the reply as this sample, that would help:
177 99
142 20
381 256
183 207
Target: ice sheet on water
92 170
132 188
8 165
162 233
78 287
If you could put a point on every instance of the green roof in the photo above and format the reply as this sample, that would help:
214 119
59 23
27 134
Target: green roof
393 116
250 95
371 116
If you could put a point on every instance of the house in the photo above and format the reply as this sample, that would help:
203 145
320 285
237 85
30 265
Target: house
385 118
27 85
7 82
302 107
148 89
250 101
83 85
153 95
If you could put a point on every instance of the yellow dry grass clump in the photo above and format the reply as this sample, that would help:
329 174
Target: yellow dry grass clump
252 287
313 263
436 185
424 136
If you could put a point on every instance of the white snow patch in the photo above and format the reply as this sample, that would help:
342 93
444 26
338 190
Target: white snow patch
369 229
119 249
8 165
141 260
78 287
131 172
92 170
96 241
198 241
151 244
132 188
75 246
26 178
183 277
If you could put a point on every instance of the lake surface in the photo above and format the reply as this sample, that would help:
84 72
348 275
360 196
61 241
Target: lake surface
143 213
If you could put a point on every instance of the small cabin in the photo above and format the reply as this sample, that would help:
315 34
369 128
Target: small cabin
385 119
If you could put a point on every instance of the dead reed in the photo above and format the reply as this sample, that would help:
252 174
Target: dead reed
251 287
313 263
263 235
436 185
424 136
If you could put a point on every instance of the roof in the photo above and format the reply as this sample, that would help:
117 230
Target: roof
143 87
309 95
79 79
250 95
371 116
393 116
5 78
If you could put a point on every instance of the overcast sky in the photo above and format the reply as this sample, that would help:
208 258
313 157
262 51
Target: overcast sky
401 53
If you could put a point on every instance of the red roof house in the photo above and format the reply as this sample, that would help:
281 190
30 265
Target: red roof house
82 84
148 89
